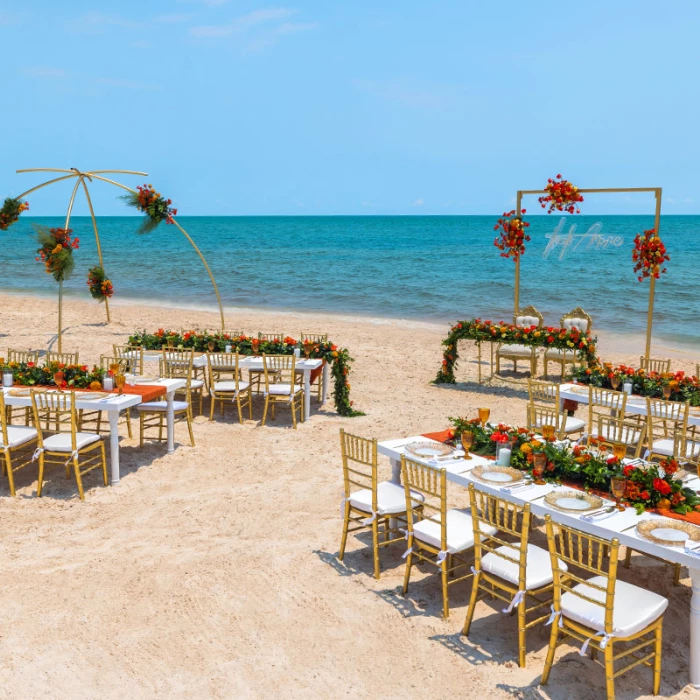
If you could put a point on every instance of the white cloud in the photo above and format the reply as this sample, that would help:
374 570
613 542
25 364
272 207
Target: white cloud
244 23
418 202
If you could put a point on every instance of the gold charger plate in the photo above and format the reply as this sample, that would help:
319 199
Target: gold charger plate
573 501
91 395
495 474
24 391
669 532
428 450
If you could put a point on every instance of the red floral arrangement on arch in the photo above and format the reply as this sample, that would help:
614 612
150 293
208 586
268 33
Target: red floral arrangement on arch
56 251
561 196
156 207
513 236
10 212
649 254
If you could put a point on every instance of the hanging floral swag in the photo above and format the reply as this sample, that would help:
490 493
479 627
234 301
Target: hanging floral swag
532 336
10 212
648 255
561 196
100 287
56 251
156 207
513 237
338 359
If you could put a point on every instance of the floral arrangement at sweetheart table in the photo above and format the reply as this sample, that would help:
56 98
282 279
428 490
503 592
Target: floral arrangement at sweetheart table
647 487
338 359
73 376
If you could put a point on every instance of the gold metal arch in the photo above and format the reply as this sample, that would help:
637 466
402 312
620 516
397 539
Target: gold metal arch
99 175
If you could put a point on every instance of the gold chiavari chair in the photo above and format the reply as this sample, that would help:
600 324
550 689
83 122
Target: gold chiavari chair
316 338
271 337
134 353
697 371
611 430
64 358
23 356
17 443
601 611
537 416
435 534
282 386
579 319
529 316
85 451
665 421
154 413
660 366
178 364
687 447
225 384
376 504
603 402
547 394
507 566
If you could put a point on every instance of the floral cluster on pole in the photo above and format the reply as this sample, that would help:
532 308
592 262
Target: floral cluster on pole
100 287
513 237
56 251
561 196
649 254
156 207
10 212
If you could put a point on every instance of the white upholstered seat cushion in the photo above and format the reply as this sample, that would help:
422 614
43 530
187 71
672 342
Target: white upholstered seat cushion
573 424
634 607
229 386
558 354
517 350
527 321
663 446
62 441
196 383
627 435
538 571
391 498
283 389
157 406
579 323
17 435
460 530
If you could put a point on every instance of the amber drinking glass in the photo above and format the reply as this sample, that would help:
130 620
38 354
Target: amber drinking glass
548 432
58 378
308 347
618 485
620 450
256 345
615 382
538 465
119 381
667 391
211 345
484 414
467 442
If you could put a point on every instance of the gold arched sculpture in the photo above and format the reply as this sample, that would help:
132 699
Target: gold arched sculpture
81 177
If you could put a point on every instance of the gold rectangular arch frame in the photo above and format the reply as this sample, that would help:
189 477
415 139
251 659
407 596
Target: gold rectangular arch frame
657 223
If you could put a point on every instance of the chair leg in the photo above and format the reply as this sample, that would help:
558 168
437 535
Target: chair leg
264 417
472 604
40 478
212 408
628 558
294 417
676 574
522 633
445 595
128 424
10 476
657 659
141 429
375 544
240 409
250 403
78 478
553 638
609 671
409 563
189 424
344 536
104 464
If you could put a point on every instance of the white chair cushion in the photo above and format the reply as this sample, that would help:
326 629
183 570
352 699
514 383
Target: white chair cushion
62 441
634 607
196 383
391 498
579 323
283 389
527 321
230 386
18 434
517 351
559 354
664 446
573 425
460 530
162 406
627 435
538 571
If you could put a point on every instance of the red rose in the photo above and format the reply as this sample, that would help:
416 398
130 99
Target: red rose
627 470
644 495
663 487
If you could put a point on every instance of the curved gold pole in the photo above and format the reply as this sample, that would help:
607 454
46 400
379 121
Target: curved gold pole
125 172
211 275
97 237
112 182
45 170
43 184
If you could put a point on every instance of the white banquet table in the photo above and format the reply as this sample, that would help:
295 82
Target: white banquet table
620 525
113 406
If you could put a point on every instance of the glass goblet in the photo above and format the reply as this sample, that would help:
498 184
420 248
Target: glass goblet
467 439
59 379
211 345
619 450
308 347
618 485
538 464
667 391
548 432
484 414
615 382
119 381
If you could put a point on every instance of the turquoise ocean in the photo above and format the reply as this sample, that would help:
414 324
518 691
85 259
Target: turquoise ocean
431 268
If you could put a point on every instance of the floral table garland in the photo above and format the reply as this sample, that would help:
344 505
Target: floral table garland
651 487
683 386
338 359
572 340
76 376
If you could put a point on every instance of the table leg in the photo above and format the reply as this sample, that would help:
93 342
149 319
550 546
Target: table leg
170 398
326 379
307 393
395 470
695 628
114 445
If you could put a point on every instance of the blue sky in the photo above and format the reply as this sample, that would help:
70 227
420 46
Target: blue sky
354 107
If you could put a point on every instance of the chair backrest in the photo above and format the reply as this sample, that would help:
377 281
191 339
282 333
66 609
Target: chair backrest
658 365
359 457
666 418
579 550
133 353
54 409
270 337
22 356
686 446
222 366
431 483
279 369
314 337
546 393
537 416
509 520
177 364
126 364
615 429
529 316
576 318
233 334
604 402
64 358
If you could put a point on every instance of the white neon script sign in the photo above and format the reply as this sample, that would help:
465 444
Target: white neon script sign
572 241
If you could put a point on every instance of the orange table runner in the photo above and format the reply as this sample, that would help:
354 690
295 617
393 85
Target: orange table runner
147 392
694 518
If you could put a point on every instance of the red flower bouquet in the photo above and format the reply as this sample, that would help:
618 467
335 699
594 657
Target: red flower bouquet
156 207
10 211
561 196
56 251
513 236
648 255
100 287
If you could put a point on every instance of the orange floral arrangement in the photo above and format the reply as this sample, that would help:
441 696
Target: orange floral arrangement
156 207
56 251
100 287
561 196
648 255
513 237
10 212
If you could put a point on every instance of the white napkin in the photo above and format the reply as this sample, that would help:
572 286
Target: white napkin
692 547
600 516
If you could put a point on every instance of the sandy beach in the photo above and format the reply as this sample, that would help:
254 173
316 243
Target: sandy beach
212 572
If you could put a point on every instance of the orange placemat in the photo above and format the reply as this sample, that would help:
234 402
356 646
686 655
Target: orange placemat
147 392
440 436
